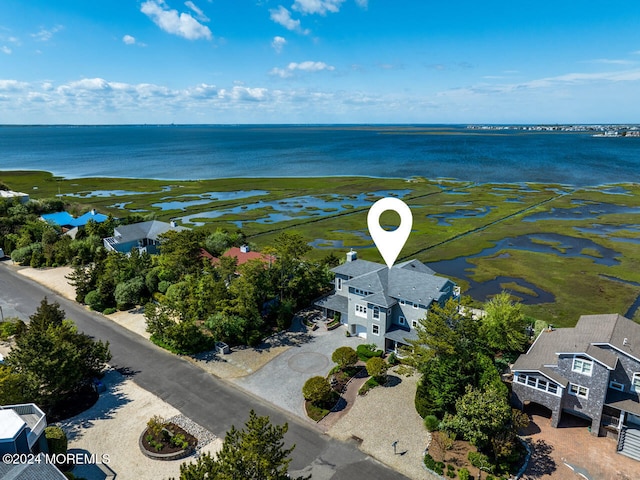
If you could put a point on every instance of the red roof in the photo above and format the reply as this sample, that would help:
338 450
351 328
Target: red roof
240 256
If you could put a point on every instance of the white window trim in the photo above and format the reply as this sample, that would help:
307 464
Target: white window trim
374 328
635 382
361 310
414 323
415 305
402 320
616 386
338 283
376 313
538 383
577 393
402 302
581 369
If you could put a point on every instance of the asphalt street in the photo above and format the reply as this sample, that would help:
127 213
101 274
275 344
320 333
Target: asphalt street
211 402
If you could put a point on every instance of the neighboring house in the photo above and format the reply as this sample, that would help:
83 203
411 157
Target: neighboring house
144 236
38 469
242 255
22 197
22 429
70 224
384 305
590 371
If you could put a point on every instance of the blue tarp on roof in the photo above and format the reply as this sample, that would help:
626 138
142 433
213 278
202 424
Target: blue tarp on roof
65 219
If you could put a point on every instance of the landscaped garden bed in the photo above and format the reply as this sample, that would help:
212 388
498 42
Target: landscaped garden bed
164 440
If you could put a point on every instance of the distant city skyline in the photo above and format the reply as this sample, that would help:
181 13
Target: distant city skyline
318 61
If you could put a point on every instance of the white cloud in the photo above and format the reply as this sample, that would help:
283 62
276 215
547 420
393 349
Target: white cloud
5 49
321 7
362 3
277 43
169 20
44 35
307 66
129 40
282 16
609 61
199 13
12 85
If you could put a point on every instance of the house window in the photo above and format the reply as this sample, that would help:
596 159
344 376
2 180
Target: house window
582 366
635 383
415 305
414 323
402 302
616 386
401 320
537 383
361 311
360 292
375 329
578 390
338 283
376 313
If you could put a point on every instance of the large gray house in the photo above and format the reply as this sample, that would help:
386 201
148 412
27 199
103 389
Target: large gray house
384 304
590 371
144 236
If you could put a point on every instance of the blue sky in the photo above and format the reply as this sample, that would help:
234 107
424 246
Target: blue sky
318 61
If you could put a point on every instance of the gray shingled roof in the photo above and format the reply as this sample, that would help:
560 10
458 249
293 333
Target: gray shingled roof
401 335
381 300
357 268
151 230
415 286
416 265
627 401
334 302
590 332
412 281
35 471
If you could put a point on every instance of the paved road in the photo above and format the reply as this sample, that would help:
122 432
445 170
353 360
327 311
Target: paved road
214 404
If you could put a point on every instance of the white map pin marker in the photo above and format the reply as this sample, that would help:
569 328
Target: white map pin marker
389 243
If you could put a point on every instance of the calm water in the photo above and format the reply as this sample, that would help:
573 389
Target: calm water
197 152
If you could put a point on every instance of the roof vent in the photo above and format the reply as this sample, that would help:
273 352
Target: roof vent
625 341
351 256
245 248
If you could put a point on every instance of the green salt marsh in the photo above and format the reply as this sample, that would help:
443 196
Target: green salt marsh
580 278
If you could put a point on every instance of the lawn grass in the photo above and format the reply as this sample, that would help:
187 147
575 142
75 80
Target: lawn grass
579 284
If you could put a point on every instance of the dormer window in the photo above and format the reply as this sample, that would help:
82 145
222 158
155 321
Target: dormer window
582 366
338 283
635 382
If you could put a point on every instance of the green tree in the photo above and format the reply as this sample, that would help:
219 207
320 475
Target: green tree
181 253
128 293
480 416
503 326
159 319
345 357
54 358
256 452
317 390
377 368
13 387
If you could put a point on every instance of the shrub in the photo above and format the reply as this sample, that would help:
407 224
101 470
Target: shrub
451 472
392 359
94 300
10 326
431 423
317 390
377 368
155 425
109 311
368 385
479 460
365 352
463 474
56 439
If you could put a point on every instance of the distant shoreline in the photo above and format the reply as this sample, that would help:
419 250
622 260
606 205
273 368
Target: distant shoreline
412 179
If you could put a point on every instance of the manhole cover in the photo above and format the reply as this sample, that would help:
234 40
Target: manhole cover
308 362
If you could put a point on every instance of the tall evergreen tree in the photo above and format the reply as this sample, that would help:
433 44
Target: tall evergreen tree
256 452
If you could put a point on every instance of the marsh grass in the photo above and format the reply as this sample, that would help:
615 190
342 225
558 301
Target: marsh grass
576 282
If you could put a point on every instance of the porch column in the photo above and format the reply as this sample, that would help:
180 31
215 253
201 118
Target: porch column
621 420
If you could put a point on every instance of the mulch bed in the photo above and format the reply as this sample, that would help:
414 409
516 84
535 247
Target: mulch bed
166 446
